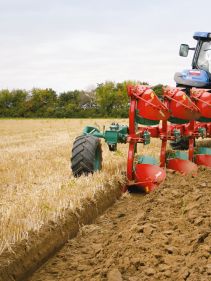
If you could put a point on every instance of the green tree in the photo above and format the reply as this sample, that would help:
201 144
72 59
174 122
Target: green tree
158 89
112 99
69 104
42 103
13 103
109 99
106 98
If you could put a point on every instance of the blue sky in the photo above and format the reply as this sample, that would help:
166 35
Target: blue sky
77 44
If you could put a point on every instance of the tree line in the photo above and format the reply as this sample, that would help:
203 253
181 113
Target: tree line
108 99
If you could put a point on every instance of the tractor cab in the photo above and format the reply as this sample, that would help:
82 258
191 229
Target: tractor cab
200 74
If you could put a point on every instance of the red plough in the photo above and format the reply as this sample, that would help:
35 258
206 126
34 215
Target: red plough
170 117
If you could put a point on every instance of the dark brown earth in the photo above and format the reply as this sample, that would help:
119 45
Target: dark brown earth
165 235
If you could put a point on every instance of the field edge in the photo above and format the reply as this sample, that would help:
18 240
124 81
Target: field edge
28 255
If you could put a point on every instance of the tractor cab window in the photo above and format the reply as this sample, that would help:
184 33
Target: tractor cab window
204 60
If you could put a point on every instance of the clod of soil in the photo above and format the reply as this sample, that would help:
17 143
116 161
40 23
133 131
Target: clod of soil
165 235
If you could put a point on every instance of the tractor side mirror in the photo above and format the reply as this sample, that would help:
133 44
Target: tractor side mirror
183 51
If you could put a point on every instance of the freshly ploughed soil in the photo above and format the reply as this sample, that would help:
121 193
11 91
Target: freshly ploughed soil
165 235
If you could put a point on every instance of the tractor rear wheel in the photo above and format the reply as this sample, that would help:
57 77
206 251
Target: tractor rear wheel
86 155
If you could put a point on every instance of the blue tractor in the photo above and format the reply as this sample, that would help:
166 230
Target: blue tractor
200 74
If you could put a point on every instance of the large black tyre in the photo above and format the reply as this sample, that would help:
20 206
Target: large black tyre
86 155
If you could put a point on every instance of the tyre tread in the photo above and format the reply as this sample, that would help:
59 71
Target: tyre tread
83 154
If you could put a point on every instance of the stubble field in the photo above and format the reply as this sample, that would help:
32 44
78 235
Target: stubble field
36 183
164 235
